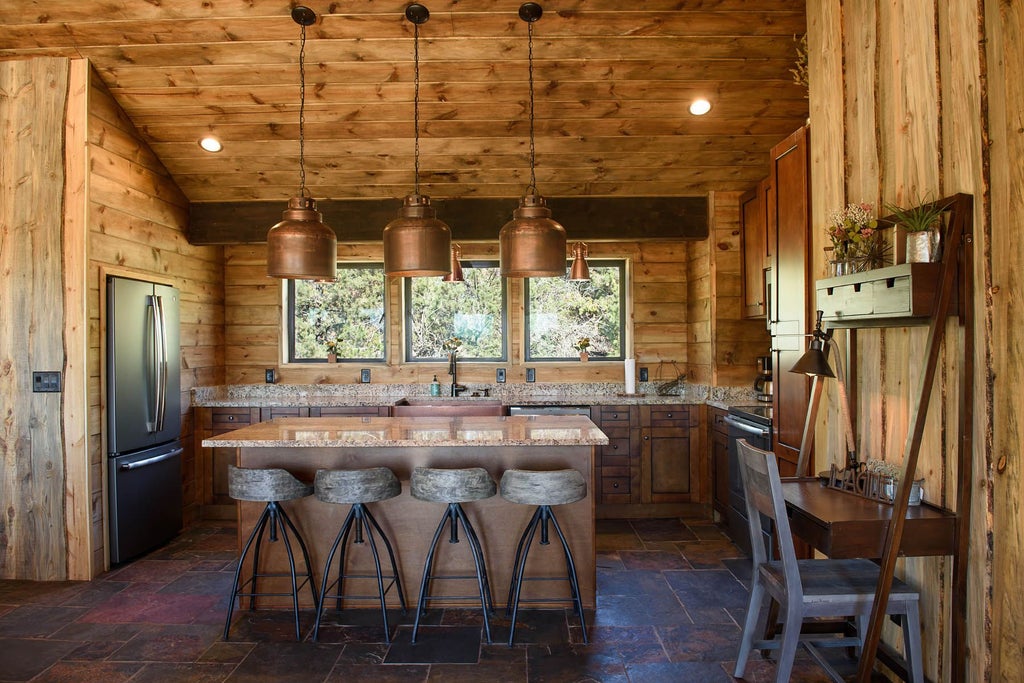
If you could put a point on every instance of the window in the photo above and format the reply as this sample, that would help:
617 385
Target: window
473 311
559 312
347 315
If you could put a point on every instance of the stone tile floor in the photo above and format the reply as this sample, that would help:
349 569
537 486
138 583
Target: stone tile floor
671 596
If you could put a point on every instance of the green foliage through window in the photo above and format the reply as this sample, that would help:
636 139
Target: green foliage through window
473 311
560 312
346 316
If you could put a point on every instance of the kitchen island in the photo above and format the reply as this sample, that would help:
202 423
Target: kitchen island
303 445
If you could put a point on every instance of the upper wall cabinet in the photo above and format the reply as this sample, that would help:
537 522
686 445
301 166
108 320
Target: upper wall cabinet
754 245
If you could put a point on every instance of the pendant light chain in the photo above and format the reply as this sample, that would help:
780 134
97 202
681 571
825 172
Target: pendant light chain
533 148
416 107
302 114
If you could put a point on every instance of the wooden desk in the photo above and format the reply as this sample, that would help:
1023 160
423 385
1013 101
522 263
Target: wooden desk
843 525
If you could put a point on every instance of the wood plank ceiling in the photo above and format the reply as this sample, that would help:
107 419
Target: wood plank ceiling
614 80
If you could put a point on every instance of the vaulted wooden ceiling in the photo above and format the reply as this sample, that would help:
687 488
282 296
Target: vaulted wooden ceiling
614 80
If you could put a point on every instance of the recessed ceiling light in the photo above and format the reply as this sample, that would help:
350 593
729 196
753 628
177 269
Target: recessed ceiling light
700 107
211 144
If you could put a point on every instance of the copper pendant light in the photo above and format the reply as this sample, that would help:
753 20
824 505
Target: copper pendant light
579 270
456 266
301 247
532 244
417 243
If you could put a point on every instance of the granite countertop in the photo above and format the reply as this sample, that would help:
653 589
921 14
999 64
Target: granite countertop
537 394
420 432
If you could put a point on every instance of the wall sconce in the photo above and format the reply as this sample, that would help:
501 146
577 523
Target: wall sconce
456 266
301 247
579 270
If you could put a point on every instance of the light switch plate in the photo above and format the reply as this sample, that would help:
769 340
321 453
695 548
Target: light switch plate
364 375
531 375
46 382
499 375
643 374
270 376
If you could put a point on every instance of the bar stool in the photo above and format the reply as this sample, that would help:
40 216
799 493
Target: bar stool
543 489
357 488
454 487
271 486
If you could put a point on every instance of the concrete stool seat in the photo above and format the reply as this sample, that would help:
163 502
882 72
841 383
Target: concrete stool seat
357 488
543 489
272 486
454 487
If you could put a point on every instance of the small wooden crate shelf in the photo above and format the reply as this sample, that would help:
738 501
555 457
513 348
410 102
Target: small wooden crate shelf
895 295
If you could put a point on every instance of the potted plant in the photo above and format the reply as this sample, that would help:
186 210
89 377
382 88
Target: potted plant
582 344
332 350
921 225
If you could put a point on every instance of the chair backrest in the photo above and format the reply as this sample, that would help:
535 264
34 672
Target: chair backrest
762 488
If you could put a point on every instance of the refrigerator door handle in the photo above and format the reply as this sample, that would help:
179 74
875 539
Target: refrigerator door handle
157 369
150 461
161 328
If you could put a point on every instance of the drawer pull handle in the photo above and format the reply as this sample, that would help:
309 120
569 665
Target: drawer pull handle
670 414
647 438
231 418
615 485
615 447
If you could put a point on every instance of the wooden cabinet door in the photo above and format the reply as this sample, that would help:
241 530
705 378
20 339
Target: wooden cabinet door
789 214
669 468
719 439
753 244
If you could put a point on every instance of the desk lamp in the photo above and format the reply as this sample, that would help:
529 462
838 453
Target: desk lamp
815 363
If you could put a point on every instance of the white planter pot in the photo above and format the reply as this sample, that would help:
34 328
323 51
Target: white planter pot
923 247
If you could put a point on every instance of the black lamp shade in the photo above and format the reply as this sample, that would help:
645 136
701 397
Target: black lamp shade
814 362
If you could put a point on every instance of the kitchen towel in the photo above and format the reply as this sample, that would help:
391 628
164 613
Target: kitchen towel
630 364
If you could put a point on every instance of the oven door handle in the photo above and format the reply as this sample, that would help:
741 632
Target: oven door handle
744 427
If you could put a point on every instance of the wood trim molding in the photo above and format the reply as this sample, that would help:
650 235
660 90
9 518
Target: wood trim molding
584 218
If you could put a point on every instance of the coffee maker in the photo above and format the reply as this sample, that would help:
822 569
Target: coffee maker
763 382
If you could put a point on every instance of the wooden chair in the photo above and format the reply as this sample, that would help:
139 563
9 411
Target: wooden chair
809 588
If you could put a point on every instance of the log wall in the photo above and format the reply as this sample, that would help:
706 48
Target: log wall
912 99
137 220
80 196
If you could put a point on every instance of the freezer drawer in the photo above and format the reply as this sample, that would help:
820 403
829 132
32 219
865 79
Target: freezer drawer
144 500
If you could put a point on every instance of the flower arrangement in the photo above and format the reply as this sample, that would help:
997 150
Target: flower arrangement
332 345
855 237
452 345
582 344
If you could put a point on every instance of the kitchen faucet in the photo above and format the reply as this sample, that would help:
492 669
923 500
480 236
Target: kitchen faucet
453 370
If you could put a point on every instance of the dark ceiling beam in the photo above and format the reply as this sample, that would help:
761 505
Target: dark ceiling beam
596 218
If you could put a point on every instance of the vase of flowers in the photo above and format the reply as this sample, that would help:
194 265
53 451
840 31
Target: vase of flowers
856 243
332 351
452 346
890 474
582 344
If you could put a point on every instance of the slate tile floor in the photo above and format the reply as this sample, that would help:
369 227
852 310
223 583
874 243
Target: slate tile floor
671 596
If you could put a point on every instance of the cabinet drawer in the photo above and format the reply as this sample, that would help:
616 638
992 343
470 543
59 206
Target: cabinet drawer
230 416
614 485
614 462
718 422
670 416
615 415
348 411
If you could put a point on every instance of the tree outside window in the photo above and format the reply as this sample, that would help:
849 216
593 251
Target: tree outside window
348 315
560 312
473 311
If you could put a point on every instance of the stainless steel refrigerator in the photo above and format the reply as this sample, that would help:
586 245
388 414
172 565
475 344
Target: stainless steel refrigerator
143 416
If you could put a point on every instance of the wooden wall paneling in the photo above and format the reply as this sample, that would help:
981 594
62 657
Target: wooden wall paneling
1004 56
83 503
32 183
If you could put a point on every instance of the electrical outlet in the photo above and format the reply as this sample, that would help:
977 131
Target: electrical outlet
364 375
270 376
643 374
531 375
499 375
46 382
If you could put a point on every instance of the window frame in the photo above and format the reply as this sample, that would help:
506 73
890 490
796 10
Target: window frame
624 298
467 264
289 327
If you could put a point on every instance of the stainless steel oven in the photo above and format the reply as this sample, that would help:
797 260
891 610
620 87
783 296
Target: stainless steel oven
753 423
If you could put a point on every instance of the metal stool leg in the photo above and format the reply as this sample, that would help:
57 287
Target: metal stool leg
571 568
486 604
305 555
427 566
342 535
376 563
257 529
517 575
268 519
391 557
515 564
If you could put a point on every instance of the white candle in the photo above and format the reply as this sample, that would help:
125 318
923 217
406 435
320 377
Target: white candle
630 365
